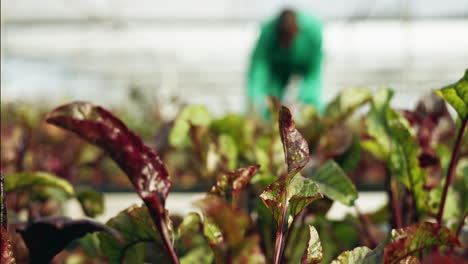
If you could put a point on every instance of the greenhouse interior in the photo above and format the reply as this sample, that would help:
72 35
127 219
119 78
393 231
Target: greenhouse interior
231 132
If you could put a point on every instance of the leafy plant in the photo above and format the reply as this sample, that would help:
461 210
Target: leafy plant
271 187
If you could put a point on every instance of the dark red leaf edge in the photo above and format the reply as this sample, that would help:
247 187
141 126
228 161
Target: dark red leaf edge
6 253
402 239
46 237
98 126
142 165
296 150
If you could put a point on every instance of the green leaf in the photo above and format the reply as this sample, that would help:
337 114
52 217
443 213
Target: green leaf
377 254
403 158
355 256
457 96
225 229
398 145
92 202
377 118
293 196
313 253
192 115
137 228
296 150
335 184
199 255
90 245
452 209
374 148
232 223
30 179
229 185
237 127
228 147
346 103
190 225
409 240
464 193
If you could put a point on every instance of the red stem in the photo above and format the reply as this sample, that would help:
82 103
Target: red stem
459 229
278 245
280 235
159 220
392 192
365 228
462 223
451 169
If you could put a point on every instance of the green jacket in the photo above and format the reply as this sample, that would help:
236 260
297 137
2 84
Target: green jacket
271 65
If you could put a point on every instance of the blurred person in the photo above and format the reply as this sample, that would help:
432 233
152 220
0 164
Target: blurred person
289 44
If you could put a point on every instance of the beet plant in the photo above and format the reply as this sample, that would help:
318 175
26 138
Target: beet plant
265 211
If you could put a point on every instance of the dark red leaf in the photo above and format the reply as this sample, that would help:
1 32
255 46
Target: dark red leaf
142 165
295 147
46 237
6 254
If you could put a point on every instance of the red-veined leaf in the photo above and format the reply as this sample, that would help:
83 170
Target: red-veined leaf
409 240
231 183
295 147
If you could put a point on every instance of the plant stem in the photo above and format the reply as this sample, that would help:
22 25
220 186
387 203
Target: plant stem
159 219
280 235
459 229
365 227
462 223
451 169
278 245
392 193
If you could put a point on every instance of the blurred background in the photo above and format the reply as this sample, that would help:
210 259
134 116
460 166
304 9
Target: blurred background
132 55
101 50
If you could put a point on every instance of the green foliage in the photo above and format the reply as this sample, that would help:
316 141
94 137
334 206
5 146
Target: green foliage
225 229
354 256
229 149
196 115
319 158
409 240
137 229
457 96
190 225
346 103
377 124
201 255
20 180
333 182
92 202
290 197
403 156
313 252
